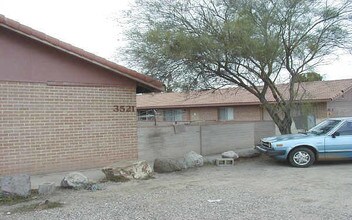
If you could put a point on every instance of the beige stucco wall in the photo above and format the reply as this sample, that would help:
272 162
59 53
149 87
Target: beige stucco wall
321 112
317 109
23 59
341 107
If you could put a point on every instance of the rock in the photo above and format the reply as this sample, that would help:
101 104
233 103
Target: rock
74 180
192 159
138 170
182 163
142 170
46 188
94 187
230 154
248 153
19 185
166 165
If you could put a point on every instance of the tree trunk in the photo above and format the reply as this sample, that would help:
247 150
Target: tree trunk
285 126
281 117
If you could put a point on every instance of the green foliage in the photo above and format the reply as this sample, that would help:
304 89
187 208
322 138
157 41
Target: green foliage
310 77
201 44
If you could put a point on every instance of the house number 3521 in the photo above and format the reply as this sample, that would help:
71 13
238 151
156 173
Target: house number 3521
124 108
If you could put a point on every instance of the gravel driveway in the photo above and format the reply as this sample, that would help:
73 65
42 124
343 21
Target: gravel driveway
252 189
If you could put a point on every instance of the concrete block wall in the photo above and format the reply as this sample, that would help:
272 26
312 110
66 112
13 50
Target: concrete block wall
263 129
167 141
175 140
58 128
224 137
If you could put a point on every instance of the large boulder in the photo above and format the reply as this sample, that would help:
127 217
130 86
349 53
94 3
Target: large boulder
17 185
137 170
230 154
167 165
74 180
248 153
192 159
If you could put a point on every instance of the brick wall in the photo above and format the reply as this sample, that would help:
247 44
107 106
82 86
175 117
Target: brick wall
204 114
247 113
55 128
241 113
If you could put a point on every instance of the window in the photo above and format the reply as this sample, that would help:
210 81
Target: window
226 114
173 115
146 115
324 127
346 128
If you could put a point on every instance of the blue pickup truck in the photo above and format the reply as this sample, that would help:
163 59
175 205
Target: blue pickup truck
329 140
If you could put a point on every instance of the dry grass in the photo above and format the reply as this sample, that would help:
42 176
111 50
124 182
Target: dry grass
11 200
38 206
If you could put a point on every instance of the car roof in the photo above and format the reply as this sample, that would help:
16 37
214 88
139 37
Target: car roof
341 118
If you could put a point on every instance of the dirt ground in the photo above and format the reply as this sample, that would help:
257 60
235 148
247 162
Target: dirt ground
252 189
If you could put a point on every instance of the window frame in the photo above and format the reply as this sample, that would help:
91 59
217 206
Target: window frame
175 115
146 115
230 115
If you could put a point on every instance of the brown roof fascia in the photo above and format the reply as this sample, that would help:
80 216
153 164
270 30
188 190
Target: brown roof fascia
198 105
144 80
223 104
342 93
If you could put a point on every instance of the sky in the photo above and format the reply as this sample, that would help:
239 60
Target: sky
88 24
93 26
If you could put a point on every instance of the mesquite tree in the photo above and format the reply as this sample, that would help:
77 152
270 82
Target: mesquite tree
254 44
